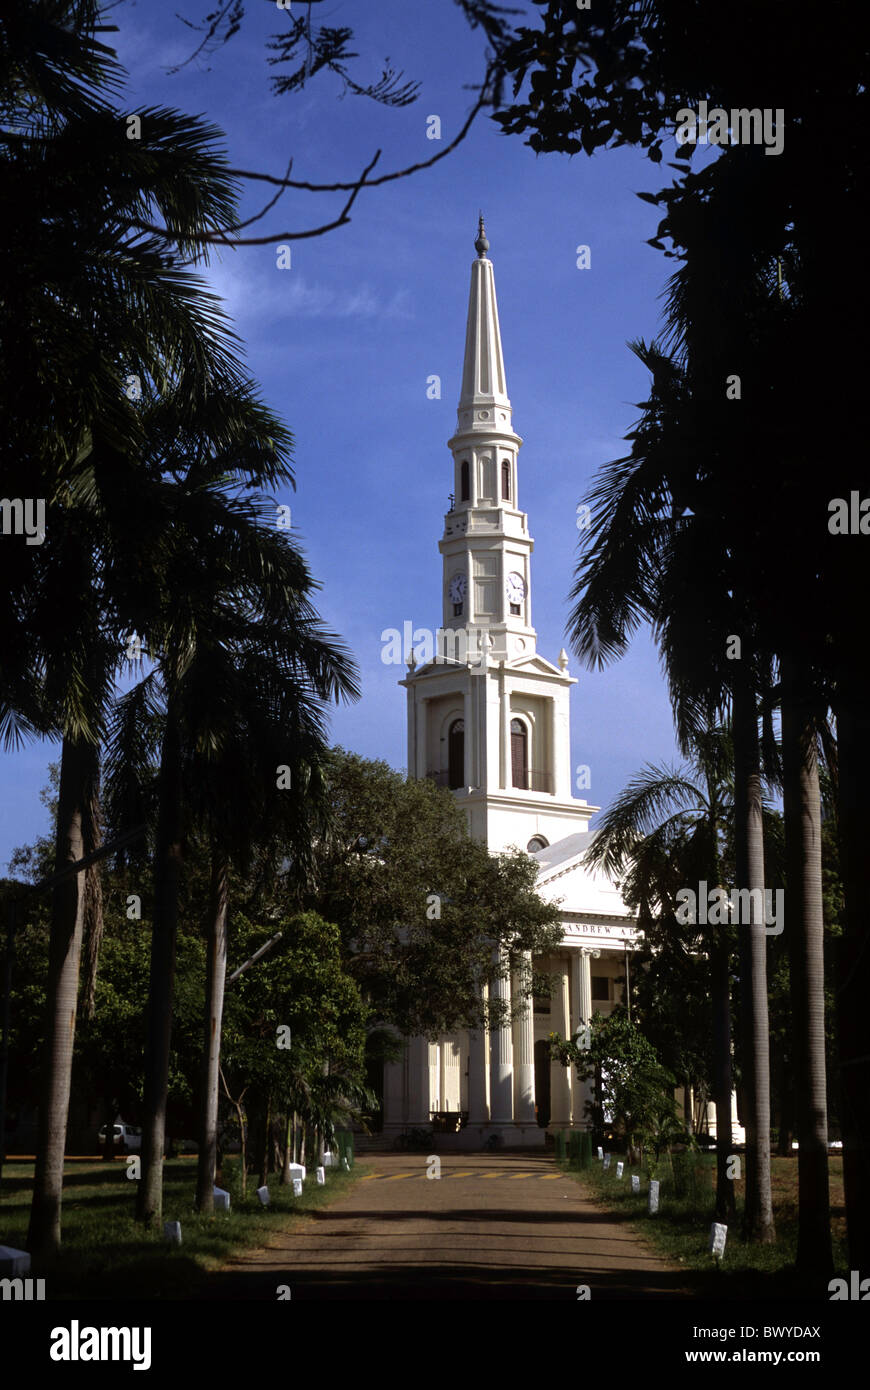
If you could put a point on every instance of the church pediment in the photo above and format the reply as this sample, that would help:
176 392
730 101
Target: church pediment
580 892
562 876
535 665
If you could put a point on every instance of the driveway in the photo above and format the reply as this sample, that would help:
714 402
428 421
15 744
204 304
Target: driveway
503 1226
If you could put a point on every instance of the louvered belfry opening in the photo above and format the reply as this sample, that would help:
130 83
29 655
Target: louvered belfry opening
456 755
519 753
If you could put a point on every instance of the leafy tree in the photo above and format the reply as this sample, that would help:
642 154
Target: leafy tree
426 913
631 1083
317 1067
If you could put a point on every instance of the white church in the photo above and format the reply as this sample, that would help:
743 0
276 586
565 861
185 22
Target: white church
495 729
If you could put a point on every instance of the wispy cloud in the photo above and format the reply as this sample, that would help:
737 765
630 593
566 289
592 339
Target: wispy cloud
313 300
258 291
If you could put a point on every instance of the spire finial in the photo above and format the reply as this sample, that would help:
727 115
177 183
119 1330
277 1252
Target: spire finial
481 245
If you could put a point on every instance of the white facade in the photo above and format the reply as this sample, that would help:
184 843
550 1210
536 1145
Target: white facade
490 718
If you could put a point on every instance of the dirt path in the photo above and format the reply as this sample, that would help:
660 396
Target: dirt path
503 1226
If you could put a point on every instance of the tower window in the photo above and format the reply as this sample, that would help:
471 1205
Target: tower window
456 755
536 843
519 754
506 479
464 482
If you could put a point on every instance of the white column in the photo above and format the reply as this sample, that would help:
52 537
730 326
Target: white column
477 700
442 1074
576 993
435 1098
560 1082
582 1014
451 1075
501 1061
550 765
421 734
413 742
504 735
524 1057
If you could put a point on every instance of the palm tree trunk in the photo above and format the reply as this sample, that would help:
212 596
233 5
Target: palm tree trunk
167 869
216 969
722 1079
806 971
288 1151
853 956
720 998
786 1100
264 1145
93 910
243 1154
77 772
749 866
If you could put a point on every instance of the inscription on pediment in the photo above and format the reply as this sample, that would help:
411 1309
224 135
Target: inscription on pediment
613 931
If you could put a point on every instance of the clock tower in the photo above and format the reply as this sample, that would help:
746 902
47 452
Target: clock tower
486 546
488 716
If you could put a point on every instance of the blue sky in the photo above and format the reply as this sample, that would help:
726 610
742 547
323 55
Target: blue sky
342 344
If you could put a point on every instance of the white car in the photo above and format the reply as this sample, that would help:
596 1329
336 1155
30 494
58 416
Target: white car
127 1139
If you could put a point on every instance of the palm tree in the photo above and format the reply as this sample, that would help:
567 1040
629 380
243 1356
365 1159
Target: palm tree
228 583
749 867
667 829
802 804
270 719
74 322
657 551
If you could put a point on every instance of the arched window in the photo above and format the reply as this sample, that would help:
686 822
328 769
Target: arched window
464 485
456 755
506 479
537 842
519 754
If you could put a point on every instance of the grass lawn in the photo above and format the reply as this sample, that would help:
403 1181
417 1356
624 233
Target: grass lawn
106 1254
681 1229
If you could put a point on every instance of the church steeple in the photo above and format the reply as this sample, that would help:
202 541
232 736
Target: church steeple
488 716
483 378
486 544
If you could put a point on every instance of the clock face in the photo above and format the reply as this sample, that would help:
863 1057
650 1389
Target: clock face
516 588
456 588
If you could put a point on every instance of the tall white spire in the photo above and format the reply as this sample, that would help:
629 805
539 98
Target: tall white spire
484 407
486 544
483 378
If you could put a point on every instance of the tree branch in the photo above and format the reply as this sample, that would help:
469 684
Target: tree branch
227 237
223 239
483 100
